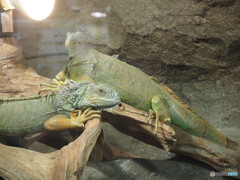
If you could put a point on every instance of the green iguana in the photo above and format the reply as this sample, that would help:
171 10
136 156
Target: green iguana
135 88
56 111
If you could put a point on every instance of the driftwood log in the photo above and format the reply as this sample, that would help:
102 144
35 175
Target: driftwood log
174 139
69 162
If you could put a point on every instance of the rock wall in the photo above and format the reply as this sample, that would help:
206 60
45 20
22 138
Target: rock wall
192 46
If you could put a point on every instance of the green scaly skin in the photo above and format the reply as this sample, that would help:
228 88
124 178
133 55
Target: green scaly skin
135 88
27 115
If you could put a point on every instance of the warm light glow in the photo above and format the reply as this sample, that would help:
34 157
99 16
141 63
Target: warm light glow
98 14
35 9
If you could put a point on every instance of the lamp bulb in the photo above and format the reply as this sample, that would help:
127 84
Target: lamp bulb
35 9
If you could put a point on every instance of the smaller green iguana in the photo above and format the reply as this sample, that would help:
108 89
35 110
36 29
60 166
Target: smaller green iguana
56 111
135 88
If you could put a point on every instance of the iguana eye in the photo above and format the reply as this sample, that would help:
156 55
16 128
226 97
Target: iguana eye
101 91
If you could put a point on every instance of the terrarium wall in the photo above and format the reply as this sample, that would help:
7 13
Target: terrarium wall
192 46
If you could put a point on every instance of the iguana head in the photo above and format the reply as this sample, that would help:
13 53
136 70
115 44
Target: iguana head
82 95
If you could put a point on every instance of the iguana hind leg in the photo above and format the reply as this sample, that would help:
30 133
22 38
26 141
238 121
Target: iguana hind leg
76 120
160 111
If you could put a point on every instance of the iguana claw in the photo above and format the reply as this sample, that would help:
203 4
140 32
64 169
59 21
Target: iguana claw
151 113
52 86
76 120
79 118
153 116
167 121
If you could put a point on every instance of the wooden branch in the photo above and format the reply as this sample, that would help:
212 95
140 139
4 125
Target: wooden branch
16 78
67 163
126 117
220 158
135 123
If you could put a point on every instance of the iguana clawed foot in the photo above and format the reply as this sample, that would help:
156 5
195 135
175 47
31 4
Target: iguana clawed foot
154 117
54 85
79 118
76 120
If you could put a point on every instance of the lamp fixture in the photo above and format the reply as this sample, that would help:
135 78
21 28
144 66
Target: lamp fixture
35 9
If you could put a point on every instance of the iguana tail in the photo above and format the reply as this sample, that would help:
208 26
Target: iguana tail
217 137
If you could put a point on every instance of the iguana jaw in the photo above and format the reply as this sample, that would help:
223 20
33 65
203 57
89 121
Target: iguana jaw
104 104
108 105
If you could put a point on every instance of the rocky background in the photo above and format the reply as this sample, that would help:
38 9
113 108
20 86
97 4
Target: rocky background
193 46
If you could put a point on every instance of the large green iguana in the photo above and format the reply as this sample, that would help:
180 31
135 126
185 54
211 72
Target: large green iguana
135 88
56 111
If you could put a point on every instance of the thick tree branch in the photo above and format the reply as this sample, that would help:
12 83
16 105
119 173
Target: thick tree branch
67 163
135 123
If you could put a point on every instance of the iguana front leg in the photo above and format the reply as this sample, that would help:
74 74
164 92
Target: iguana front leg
161 111
76 120
61 80
52 86
55 82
